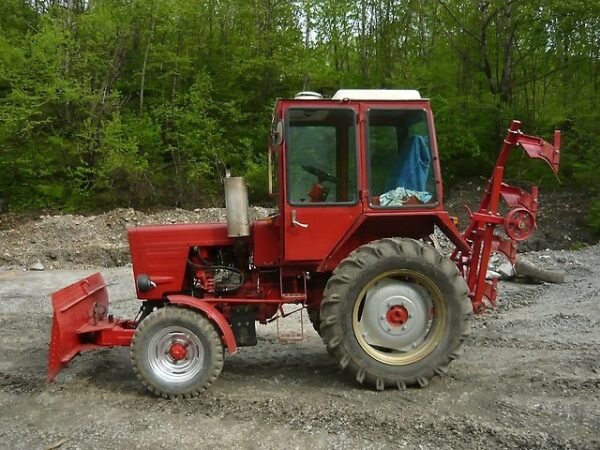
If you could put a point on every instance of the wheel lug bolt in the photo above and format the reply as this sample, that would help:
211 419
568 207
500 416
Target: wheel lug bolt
404 327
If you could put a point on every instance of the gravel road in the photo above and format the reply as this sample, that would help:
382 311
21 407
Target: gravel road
529 378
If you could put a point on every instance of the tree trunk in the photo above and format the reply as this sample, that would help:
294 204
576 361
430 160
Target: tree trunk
509 36
145 64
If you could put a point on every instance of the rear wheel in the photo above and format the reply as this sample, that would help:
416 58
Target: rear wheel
176 352
315 320
394 313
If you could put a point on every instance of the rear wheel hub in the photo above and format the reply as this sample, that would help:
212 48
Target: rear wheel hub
397 315
394 316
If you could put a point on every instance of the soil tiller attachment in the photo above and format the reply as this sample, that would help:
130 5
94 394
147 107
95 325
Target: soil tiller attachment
518 222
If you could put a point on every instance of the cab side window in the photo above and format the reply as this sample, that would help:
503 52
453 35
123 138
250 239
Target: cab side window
321 156
400 158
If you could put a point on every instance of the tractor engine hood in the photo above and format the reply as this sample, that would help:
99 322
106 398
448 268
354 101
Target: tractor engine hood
160 253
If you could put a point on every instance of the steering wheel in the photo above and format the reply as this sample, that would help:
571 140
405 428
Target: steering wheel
320 174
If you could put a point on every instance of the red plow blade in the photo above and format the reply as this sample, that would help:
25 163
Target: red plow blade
75 306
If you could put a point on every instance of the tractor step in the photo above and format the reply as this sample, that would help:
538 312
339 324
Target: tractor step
290 336
292 286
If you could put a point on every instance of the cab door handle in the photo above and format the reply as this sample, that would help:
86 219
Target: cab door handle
295 221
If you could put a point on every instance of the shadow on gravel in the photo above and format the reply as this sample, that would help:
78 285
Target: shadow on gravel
284 365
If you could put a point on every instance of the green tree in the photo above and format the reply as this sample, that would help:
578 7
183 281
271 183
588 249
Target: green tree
106 103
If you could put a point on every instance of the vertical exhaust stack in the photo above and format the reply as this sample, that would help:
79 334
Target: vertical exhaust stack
236 204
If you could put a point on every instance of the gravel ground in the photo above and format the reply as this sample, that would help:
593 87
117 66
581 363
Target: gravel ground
529 378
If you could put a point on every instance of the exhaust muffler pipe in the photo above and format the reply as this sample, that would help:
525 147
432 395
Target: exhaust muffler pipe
236 204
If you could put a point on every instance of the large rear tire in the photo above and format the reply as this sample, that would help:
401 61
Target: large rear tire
395 312
315 320
176 352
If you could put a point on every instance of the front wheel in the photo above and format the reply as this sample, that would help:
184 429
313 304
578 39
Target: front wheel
394 313
176 352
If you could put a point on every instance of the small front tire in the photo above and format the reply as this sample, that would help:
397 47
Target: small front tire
176 352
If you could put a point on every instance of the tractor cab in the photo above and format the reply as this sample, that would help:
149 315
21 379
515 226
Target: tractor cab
336 161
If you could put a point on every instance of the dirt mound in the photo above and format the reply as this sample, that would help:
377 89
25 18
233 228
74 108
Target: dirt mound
75 241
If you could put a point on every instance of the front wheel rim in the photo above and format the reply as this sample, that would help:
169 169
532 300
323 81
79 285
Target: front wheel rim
398 317
175 355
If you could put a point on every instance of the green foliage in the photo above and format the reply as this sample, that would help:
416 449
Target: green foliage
111 103
257 180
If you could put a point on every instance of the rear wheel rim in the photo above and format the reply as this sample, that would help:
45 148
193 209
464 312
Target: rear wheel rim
399 342
166 364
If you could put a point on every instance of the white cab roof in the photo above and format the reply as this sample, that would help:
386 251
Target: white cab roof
377 94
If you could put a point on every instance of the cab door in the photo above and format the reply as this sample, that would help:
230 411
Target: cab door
322 179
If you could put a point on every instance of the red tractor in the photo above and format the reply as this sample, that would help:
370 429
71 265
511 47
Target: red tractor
358 186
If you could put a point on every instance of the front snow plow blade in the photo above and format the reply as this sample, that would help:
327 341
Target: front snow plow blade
81 322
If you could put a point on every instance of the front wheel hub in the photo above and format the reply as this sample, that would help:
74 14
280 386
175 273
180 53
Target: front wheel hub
175 354
178 351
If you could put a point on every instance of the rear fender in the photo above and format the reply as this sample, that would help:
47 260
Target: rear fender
211 313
